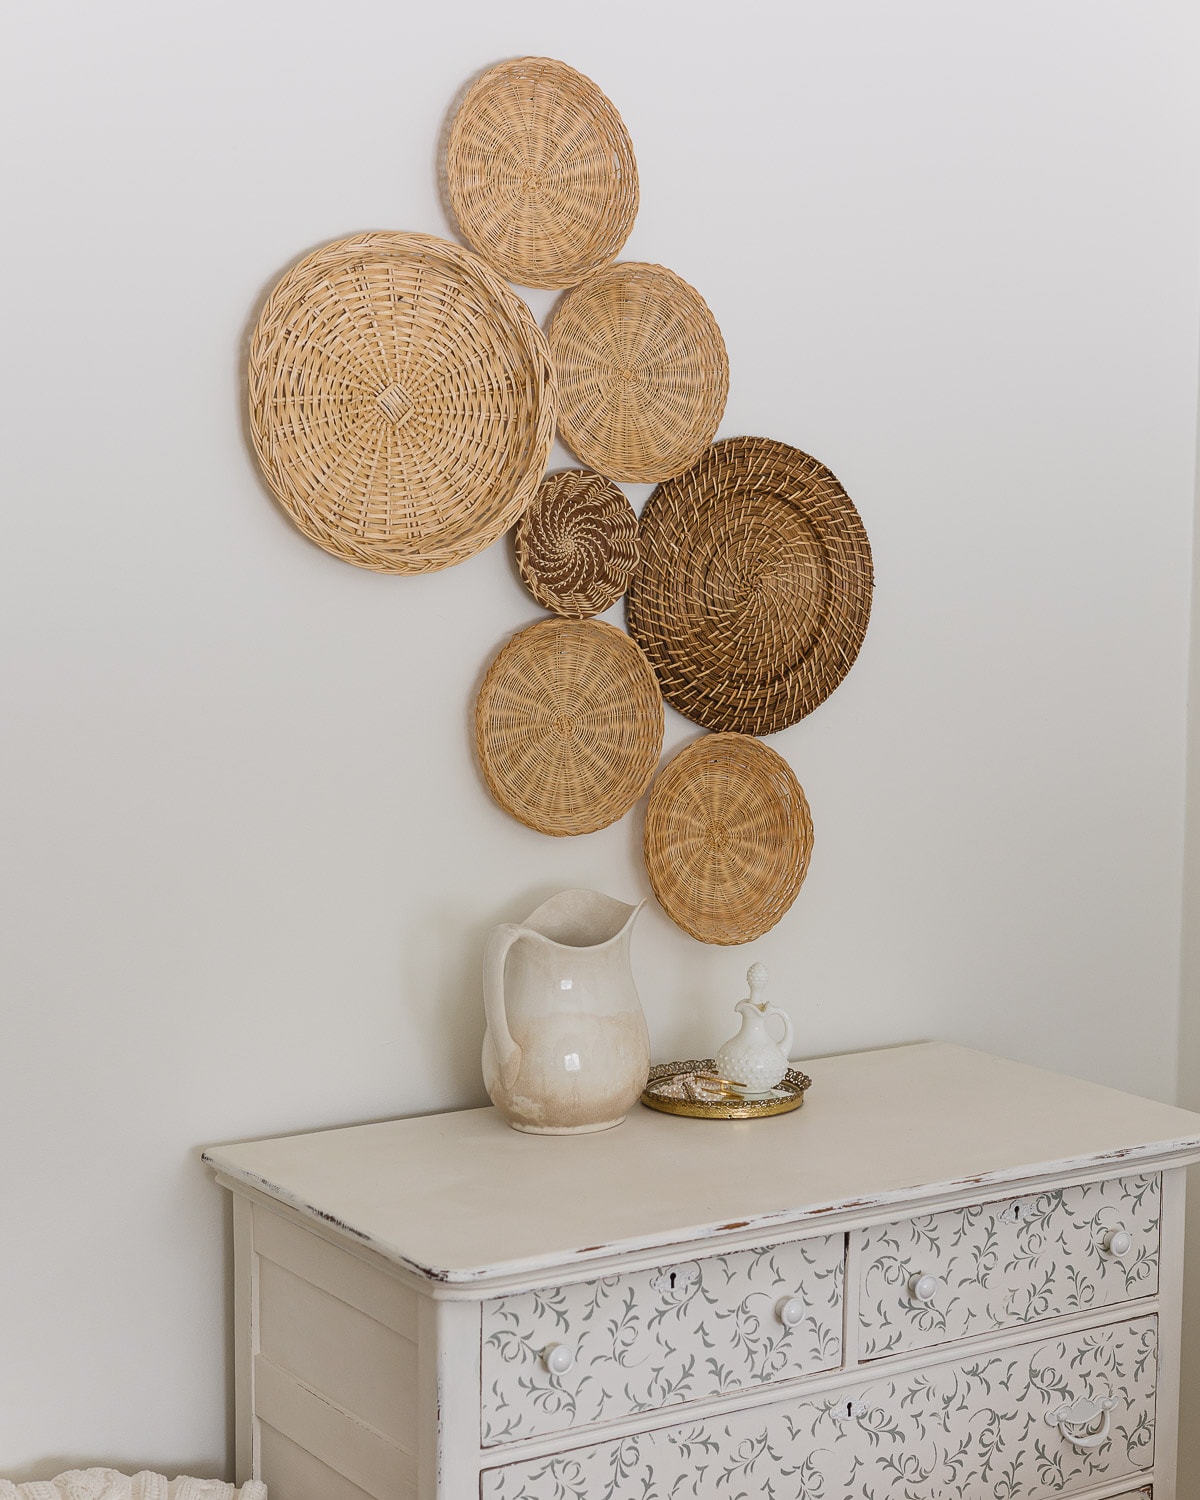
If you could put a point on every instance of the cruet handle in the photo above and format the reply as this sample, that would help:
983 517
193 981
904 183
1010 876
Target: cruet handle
508 1053
785 1041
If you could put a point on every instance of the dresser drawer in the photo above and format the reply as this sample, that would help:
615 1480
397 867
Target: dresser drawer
589 1352
997 1425
940 1277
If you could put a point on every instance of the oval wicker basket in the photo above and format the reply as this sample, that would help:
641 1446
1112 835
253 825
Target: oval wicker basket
540 173
753 591
642 371
568 726
728 838
576 544
402 402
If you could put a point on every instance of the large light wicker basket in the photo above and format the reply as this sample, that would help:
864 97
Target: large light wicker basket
642 370
402 401
728 838
753 589
569 726
541 173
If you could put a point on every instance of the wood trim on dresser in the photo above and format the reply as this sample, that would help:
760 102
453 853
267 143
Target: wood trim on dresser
245 1332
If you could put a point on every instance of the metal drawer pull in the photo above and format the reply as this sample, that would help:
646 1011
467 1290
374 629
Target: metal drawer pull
789 1311
558 1358
1118 1243
1083 1415
922 1288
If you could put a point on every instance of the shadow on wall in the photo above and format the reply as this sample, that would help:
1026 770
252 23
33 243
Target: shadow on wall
442 984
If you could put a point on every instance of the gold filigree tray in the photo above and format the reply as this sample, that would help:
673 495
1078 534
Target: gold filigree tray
696 1089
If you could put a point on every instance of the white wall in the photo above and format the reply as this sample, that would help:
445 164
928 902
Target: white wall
1189 1031
248 864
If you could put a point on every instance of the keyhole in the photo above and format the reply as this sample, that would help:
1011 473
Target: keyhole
1016 1213
672 1280
849 1408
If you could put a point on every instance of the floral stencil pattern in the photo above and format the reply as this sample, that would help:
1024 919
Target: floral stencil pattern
1001 1264
657 1338
960 1430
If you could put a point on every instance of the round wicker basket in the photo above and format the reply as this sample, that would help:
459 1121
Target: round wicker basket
541 173
402 402
642 371
576 544
753 591
568 726
728 838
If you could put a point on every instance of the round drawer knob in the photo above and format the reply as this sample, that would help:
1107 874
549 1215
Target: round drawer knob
1118 1242
789 1311
922 1288
559 1358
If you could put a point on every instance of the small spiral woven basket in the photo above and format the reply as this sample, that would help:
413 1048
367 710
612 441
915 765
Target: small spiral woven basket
642 370
402 402
576 544
568 726
728 838
541 173
753 591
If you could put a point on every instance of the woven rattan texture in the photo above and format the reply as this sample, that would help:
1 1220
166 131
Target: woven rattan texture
728 838
576 544
541 173
753 591
642 370
569 726
402 402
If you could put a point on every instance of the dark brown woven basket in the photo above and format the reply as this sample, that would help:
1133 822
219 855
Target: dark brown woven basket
753 591
728 838
576 544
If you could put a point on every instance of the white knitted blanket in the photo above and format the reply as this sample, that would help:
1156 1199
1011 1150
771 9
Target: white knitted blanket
107 1484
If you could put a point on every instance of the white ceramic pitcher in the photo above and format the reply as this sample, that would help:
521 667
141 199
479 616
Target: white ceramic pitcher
566 1048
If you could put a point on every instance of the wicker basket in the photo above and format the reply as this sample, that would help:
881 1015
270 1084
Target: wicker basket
541 174
402 402
728 838
642 370
568 726
576 544
753 592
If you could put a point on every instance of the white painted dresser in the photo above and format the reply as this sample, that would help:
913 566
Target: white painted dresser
947 1277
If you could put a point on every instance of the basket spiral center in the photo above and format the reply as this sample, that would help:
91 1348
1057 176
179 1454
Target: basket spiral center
716 836
395 403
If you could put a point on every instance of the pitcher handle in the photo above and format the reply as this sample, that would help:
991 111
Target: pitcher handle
785 1041
500 940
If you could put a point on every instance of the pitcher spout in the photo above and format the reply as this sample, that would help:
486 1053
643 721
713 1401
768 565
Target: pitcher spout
583 919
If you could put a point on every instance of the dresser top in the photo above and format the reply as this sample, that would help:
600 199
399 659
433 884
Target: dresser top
462 1198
